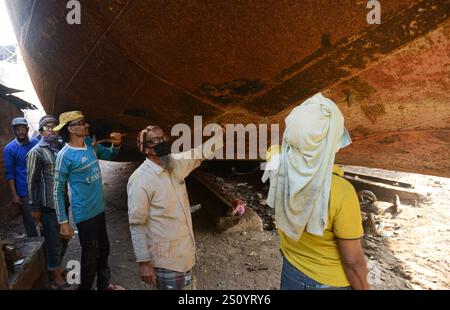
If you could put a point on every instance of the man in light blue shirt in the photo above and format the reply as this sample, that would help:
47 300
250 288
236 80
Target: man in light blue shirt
77 165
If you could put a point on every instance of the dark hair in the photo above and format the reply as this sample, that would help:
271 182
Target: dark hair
65 134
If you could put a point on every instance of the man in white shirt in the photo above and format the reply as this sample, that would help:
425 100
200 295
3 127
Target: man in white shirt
159 211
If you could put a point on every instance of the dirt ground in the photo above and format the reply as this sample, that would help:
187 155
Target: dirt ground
413 251
415 245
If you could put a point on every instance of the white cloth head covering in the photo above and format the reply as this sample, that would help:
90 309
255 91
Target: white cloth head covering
300 189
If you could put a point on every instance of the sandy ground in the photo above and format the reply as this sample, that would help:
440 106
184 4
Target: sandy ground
413 251
416 243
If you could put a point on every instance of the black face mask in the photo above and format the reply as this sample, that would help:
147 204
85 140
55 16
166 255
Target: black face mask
162 149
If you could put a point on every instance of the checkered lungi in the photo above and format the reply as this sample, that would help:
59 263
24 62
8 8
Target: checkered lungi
173 280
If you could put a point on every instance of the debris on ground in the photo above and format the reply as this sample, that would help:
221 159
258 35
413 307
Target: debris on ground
252 197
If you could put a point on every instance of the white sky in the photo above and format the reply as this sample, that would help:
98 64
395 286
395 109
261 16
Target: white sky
7 36
16 75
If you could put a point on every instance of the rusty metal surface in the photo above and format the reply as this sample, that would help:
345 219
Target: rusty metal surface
426 151
132 62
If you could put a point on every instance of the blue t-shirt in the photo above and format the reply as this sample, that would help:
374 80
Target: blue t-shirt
79 168
15 159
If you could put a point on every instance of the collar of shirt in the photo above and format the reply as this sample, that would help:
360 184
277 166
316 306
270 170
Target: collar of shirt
42 142
154 167
20 143
84 148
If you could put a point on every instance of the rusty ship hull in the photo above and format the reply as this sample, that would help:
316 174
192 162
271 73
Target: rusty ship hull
134 62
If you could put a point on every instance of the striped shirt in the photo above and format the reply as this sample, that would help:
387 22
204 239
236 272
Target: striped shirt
40 168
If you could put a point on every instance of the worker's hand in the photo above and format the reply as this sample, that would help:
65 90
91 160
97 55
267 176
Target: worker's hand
16 200
66 231
147 273
115 138
36 214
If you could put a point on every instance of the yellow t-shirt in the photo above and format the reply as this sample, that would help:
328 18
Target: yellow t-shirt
318 257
